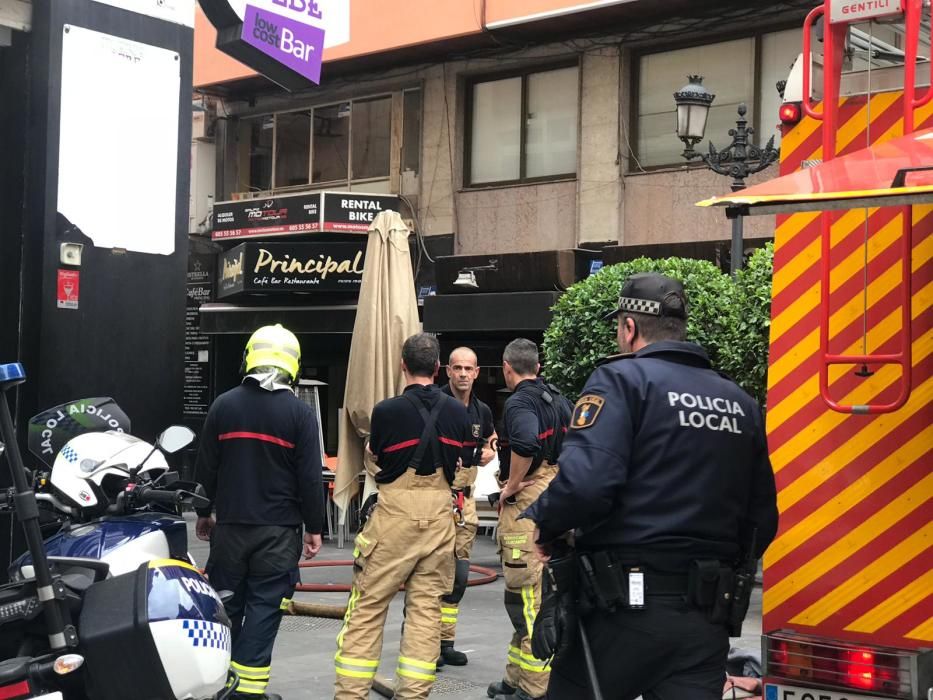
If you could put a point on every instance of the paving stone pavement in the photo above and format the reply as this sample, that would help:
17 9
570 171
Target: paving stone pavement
302 662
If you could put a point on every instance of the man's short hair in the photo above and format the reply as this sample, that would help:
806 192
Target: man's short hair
461 350
522 355
421 353
653 329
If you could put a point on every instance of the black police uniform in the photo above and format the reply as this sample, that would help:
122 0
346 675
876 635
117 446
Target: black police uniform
534 425
260 463
481 428
665 464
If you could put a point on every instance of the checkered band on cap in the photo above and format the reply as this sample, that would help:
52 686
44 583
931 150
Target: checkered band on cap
640 306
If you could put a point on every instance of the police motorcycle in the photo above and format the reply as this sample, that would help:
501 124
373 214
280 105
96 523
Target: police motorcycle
85 626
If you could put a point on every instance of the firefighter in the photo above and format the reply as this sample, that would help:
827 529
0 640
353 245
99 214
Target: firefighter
666 483
462 371
534 423
260 463
417 440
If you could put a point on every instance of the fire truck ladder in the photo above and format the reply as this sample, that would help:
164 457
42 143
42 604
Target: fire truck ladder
833 45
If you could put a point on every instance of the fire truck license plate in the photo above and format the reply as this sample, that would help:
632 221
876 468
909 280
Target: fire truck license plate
787 692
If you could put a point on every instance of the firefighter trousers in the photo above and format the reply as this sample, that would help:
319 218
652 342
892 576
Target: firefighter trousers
259 564
463 546
522 572
409 539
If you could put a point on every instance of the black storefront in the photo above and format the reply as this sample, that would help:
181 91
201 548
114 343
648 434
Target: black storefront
296 260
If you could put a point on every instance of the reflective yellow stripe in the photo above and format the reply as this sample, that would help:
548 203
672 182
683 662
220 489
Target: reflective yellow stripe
413 668
530 663
451 611
355 668
427 665
416 674
449 620
257 687
367 663
250 670
449 615
158 563
355 674
351 604
285 603
528 597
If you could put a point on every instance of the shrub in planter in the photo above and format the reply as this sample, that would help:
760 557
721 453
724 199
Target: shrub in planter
578 338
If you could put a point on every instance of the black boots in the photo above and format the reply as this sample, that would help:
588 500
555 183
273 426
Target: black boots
452 656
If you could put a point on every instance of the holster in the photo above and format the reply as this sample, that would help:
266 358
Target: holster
710 588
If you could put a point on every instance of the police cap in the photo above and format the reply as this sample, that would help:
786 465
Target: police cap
652 294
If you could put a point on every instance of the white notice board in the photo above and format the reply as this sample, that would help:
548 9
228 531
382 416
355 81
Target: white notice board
118 149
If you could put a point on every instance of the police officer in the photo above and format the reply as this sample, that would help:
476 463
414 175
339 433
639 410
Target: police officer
535 421
462 371
260 463
664 478
417 440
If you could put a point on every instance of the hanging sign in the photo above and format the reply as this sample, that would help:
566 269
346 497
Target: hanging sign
274 216
328 212
847 11
352 211
291 267
282 39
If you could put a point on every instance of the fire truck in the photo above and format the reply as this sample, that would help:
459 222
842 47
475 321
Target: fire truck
848 581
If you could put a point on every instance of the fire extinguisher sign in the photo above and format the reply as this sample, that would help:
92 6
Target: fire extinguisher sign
68 283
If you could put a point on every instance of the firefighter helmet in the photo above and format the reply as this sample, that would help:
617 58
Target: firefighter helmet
273 346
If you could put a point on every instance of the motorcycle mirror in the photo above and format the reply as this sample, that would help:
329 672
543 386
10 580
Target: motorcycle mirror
174 438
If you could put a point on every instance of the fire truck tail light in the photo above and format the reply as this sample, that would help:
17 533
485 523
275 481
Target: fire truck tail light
790 113
805 660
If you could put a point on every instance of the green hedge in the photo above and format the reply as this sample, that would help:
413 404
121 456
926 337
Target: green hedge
728 318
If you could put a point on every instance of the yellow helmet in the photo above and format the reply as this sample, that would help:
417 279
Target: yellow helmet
273 346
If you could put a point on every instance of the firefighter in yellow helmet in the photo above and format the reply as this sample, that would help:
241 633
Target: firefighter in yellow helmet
260 463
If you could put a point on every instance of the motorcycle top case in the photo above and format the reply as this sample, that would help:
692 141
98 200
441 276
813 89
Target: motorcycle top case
156 633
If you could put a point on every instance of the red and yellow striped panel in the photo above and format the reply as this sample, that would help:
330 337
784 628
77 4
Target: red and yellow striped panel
852 558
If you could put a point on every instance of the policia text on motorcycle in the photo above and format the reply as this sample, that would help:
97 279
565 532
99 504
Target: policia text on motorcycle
666 483
534 424
260 463
462 371
417 440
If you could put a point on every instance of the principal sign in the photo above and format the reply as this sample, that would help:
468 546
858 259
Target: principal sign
282 39
291 267
847 11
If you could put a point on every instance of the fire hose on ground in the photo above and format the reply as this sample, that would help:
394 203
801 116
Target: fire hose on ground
381 685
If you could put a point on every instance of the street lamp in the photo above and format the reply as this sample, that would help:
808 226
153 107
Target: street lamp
738 160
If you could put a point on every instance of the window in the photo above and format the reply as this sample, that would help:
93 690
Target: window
523 127
337 144
331 143
292 148
372 135
743 70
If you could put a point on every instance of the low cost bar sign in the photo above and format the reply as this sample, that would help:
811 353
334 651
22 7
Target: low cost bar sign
281 30
68 285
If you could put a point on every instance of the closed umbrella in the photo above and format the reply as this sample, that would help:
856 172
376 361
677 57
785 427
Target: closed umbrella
387 314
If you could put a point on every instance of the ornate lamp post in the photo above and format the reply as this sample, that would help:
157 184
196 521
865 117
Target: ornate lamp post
738 160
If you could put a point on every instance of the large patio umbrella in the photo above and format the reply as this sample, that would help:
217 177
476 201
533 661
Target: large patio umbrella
387 314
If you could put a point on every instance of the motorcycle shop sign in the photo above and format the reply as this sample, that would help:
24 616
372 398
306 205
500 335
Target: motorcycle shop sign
282 39
327 212
291 267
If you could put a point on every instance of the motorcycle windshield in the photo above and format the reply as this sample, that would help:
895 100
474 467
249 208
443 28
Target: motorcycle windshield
51 429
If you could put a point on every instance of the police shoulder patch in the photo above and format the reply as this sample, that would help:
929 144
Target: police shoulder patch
586 411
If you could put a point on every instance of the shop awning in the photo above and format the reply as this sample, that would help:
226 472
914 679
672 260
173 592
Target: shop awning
893 173
234 318
507 312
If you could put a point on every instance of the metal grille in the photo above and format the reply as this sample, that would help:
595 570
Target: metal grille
301 623
446 686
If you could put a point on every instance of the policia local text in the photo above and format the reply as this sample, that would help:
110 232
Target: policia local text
721 420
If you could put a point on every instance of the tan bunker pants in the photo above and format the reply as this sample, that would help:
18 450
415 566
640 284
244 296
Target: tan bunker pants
522 572
408 540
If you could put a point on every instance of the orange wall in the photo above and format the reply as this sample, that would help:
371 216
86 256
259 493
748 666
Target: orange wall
381 25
